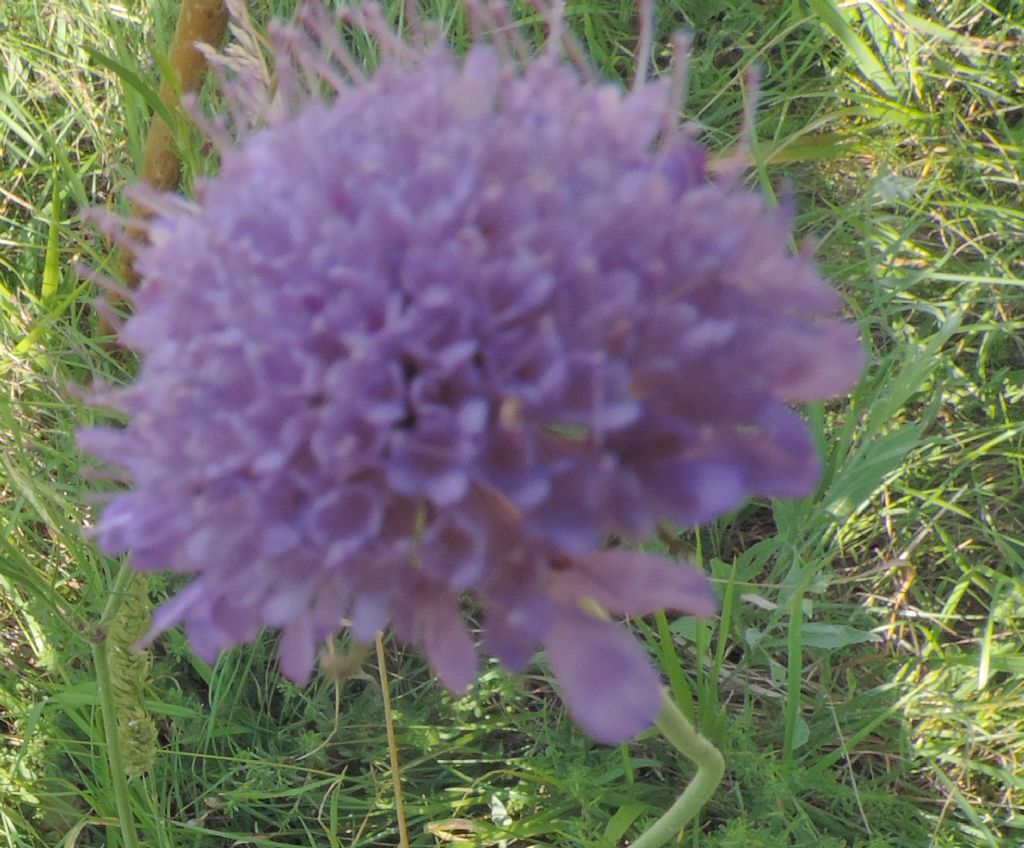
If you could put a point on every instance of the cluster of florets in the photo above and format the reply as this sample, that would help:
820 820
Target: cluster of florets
446 333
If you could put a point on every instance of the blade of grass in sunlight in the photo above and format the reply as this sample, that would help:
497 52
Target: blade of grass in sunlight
869 65
51 265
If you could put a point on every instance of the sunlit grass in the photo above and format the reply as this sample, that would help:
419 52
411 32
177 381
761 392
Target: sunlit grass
865 675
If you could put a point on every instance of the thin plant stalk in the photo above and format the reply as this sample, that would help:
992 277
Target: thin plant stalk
710 769
389 723
101 661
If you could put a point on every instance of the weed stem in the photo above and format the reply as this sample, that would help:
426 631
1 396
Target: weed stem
101 661
389 723
710 768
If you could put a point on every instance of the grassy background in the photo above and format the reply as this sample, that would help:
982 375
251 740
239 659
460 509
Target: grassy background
866 677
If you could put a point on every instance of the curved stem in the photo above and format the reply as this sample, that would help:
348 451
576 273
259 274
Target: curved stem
710 768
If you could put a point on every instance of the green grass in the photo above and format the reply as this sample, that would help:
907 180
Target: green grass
866 677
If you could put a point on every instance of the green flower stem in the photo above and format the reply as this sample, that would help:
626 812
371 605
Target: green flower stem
118 592
101 660
710 768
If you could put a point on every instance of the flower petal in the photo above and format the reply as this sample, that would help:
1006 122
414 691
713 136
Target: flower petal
436 627
632 583
607 683
297 650
445 330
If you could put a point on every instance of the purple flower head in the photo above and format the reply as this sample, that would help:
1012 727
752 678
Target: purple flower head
443 332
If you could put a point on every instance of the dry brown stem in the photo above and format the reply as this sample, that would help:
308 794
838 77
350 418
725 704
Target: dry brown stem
203 21
198 21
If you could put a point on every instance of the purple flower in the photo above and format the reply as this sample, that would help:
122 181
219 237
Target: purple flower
445 332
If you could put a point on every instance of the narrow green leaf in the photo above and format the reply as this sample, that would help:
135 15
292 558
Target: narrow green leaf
831 636
51 265
135 82
863 56
619 823
863 473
